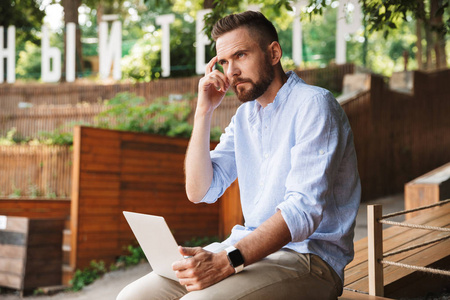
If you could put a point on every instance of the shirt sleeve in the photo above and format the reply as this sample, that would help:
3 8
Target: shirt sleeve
224 165
315 158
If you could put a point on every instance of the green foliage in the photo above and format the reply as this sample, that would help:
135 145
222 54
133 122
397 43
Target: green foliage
33 191
9 139
29 62
164 117
17 192
38 292
143 63
88 275
96 269
273 9
55 137
384 15
136 255
319 46
25 15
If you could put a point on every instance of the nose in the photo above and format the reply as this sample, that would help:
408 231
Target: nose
232 70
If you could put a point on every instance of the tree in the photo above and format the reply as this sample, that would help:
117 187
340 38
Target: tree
384 15
380 15
12 12
71 15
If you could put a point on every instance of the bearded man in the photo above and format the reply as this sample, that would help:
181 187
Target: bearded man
291 146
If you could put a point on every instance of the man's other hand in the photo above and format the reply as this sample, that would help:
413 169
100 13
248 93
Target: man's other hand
201 268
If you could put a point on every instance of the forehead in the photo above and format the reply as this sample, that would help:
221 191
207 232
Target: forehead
234 41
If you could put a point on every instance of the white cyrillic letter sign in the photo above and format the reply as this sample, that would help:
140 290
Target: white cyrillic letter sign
70 52
201 40
165 21
344 28
110 50
9 53
297 49
253 7
50 59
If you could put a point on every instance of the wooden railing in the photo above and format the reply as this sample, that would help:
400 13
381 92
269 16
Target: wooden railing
421 246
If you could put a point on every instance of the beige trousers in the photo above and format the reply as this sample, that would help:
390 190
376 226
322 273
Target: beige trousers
284 274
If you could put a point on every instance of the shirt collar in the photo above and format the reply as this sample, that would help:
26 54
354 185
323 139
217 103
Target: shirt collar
281 96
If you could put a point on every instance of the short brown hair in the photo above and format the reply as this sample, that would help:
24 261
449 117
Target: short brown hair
254 21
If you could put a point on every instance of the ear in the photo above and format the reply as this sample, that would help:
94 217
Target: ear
275 52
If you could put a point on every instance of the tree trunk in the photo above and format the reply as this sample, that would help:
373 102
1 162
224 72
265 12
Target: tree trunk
71 15
438 35
419 53
208 4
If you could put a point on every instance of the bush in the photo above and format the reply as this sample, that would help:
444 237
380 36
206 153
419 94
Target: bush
88 275
163 116
136 256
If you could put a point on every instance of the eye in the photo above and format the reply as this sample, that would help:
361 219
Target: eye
240 55
222 62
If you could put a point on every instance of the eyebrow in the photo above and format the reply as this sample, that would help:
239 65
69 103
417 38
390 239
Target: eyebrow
221 61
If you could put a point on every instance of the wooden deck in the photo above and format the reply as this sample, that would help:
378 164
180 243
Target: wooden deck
348 295
402 282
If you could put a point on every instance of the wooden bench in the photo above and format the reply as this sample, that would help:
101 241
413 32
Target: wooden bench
349 295
401 282
427 189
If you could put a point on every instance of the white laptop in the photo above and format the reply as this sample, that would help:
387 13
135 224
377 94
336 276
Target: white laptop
158 243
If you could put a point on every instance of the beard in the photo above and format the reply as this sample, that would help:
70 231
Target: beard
258 88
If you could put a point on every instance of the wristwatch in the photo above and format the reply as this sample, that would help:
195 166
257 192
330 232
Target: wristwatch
235 258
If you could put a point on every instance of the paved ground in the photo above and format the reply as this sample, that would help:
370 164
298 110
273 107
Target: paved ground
109 286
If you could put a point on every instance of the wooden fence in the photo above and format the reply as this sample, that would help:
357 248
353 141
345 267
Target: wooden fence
35 171
399 136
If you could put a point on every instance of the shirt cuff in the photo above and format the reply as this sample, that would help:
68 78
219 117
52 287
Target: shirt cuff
211 195
295 224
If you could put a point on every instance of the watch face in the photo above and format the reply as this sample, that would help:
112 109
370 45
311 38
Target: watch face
236 258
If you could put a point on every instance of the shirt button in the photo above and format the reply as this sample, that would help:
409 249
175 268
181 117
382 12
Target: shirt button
321 152
266 155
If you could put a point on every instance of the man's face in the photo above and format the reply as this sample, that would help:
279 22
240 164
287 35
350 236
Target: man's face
244 63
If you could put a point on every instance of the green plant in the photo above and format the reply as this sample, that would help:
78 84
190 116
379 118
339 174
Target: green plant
38 292
163 116
9 139
33 191
55 137
17 192
82 278
136 256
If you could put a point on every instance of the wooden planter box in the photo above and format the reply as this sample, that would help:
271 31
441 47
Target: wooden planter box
30 252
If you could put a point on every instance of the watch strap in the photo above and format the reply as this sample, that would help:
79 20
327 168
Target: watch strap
239 267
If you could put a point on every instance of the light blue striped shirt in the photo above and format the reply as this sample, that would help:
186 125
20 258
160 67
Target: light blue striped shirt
295 155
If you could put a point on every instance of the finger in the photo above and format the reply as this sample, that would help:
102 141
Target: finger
187 251
220 81
210 65
180 265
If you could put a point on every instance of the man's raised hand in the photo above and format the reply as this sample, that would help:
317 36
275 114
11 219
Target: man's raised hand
212 88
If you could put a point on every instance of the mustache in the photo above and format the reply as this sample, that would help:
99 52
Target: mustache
236 80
